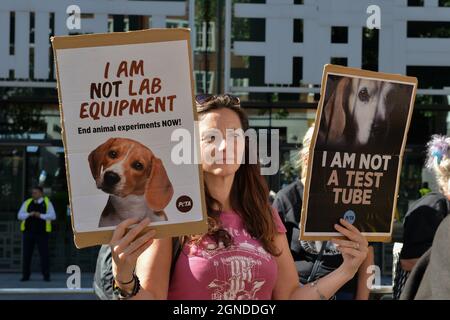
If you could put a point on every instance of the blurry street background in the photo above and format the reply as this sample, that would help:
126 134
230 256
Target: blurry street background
268 52
12 289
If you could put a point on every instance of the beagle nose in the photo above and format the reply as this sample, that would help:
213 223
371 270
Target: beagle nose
111 178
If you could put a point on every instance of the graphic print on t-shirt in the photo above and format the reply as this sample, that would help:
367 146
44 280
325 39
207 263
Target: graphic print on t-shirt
237 268
207 270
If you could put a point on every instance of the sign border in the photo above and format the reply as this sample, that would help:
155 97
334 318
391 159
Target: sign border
86 239
330 69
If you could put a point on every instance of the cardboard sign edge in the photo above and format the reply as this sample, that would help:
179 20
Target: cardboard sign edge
92 238
329 68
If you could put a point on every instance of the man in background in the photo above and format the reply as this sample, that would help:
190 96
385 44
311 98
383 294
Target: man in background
36 214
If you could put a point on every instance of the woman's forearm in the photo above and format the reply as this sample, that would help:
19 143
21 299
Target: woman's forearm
325 287
144 295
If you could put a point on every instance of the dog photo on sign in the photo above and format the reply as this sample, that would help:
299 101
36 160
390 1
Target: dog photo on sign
363 113
119 113
134 178
356 152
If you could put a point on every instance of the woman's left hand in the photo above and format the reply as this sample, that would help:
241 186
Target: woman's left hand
354 249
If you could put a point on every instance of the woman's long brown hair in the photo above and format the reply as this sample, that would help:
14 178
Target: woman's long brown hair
249 195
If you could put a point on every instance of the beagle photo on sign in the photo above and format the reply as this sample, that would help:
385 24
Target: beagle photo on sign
134 178
123 97
361 113
356 152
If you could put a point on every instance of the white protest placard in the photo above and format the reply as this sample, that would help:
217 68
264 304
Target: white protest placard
121 97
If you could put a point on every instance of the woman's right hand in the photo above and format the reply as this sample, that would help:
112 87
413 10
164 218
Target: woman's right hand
126 248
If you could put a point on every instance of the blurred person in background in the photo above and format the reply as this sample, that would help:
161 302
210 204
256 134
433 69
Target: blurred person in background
430 278
425 215
36 214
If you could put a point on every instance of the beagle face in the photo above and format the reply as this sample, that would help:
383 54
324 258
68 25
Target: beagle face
357 111
124 167
367 107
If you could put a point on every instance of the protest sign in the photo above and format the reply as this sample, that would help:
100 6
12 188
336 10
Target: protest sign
356 152
121 97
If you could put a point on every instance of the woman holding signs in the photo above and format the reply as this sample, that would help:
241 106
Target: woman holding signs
245 254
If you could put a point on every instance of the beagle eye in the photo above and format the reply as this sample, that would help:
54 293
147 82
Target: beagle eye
363 95
137 166
112 154
209 138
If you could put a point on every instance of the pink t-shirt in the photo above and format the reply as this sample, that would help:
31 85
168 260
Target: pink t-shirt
243 271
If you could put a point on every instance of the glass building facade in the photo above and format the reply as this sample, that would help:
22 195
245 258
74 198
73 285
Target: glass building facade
30 132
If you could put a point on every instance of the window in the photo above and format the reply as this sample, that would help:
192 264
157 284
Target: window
339 61
298 30
339 35
204 80
415 3
428 29
110 24
200 37
177 23
126 22
118 23
240 83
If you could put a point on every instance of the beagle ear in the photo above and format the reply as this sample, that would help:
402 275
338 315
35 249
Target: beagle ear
158 190
335 109
96 157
